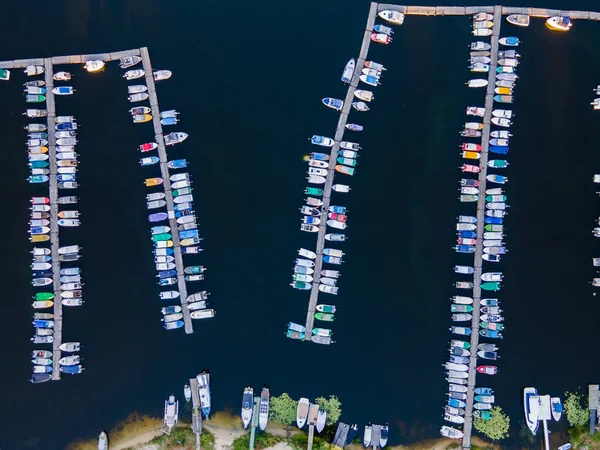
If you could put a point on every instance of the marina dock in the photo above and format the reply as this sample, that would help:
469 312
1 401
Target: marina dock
339 133
164 170
70 59
478 262
254 421
341 435
54 228
196 412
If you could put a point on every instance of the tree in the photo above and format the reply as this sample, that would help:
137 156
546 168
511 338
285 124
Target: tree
332 406
497 427
577 414
282 409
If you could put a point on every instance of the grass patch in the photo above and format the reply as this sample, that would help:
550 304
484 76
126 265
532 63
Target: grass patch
226 420
181 438
300 442
261 441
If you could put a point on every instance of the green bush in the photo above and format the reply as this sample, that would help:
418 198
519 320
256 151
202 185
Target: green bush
261 441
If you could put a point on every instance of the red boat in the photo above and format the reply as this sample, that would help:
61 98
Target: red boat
381 38
338 217
466 241
467 146
487 370
470 168
39 200
148 147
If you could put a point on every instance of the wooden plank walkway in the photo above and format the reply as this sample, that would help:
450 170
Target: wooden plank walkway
54 228
339 133
70 59
485 141
164 170
504 10
196 411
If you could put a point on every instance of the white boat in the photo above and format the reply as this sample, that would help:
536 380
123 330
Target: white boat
317 171
321 420
451 433
175 138
171 413
263 417
557 408
302 412
129 61
187 392
203 380
70 347
476 83
314 179
69 249
340 188
454 418
134 74
505 113
328 289
501 122
482 24
481 32
531 407
72 360
138 97
307 253
202 313
160 75
371 72
349 71
461 300
395 17
492 276
480 68
31 71
557 23
103 441
136 88
363 95
367 435
247 406
94 65
63 90
480 46
195 306
520 20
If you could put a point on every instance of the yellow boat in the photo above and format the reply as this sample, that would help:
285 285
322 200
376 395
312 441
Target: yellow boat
39 238
41 304
503 91
189 241
471 155
166 244
141 118
37 150
153 181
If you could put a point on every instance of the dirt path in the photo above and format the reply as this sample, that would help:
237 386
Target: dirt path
137 440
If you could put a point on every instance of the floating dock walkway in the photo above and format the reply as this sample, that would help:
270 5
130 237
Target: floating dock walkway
71 59
54 228
164 170
339 133
196 412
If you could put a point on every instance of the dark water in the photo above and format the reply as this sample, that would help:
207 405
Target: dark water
248 79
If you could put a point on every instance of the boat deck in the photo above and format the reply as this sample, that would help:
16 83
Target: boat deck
339 133
164 170
478 260
196 411
54 228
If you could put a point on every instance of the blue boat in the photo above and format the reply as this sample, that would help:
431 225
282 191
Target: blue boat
157 217
173 325
462 330
456 403
497 149
160 229
483 391
320 156
494 220
167 281
167 273
187 206
171 309
468 182
42 274
177 164
66 126
383 29
500 179
43 323
46 369
354 127
333 103
509 41
149 160
63 90
40 378
183 212
168 251
491 334
311 219
322 140
468 234
464 248
35 230
66 177
337 209
188 234
489 302
332 260
72 369
169 121
301 270
38 179
503 98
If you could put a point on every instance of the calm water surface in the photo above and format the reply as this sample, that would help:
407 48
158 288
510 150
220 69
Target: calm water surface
248 79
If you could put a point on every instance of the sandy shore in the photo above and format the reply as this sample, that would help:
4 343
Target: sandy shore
139 439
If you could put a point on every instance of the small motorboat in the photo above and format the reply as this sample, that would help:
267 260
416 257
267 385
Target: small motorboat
557 408
349 71
134 74
341 188
333 103
138 97
140 110
149 160
393 17
468 168
487 370
475 111
509 41
94 65
363 95
371 81
31 71
63 90
557 23
520 20
160 75
322 141
354 127
477 83
479 46
129 61
360 106
481 32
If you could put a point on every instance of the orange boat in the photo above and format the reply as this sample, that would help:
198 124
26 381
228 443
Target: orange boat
142 118
503 91
471 155
344 169
39 238
37 150
153 181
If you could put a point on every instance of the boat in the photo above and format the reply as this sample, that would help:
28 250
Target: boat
464 331
477 83
475 111
140 110
94 65
129 61
531 407
34 90
363 95
506 76
505 83
557 408
353 127
396 18
557 23
36 113
349 71
451 433
139 97
520 20
142 118
247 406
63 90
344 169
480 46
333 103
371 72
482 24
31 71
371 81
173 325
487 370
481 32
4 74
35 98
160 75
148 161
509 41
263 415
321 420
204 391
169 121
360 106
134 74
177 164
175 138
340 188
368 435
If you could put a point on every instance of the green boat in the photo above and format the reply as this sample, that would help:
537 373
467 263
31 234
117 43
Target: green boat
324 317
313 191
498 163
492 326
491 286
295 334
322 332
326 308
161 237
35 98
44 296
461 344
4 75
494 228
461 308
184 191
39 164
192 270
41 135
483 415
346 161
466 198
490 198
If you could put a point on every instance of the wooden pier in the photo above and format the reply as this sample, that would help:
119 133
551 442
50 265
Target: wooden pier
70 59
196 411
543 13
341 435
164 170
254 421
54 228
339 133
485 141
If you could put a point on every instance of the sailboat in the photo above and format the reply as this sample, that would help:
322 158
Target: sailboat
247 402
171 412
263 417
